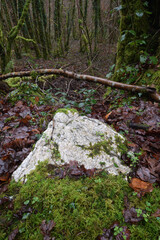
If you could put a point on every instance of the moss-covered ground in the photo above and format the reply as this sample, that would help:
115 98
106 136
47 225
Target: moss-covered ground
81 208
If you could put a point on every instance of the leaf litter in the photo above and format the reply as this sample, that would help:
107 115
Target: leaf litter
19 130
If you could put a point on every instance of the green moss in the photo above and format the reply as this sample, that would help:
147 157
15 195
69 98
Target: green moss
151 77
48 77
155 79
97 148
106 146
80 208
34 75
121 144
66 110
26 91
56 152
132 30
9 119
14 82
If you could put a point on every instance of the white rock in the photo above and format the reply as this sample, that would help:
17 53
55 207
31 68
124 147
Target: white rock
68 138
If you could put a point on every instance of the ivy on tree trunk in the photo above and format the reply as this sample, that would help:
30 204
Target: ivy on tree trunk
137 21
6 53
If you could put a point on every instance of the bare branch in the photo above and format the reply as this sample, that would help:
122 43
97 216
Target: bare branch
151 91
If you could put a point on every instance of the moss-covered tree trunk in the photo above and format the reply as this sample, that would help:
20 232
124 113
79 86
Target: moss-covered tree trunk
5 52
139 32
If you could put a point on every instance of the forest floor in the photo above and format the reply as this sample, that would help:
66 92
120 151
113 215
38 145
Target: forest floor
25 113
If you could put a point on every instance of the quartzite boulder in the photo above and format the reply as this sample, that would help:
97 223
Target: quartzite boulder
70 137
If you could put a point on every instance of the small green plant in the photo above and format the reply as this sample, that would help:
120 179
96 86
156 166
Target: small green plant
26 202
98 180
147 213
148 207
146 58
139 212
84 104
117 230
46 138
102 163
35 199
133 157
31 93
100 134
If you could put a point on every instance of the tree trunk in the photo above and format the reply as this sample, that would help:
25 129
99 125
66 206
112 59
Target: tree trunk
139 32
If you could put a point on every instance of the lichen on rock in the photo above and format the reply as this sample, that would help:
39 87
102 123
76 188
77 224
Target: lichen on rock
70 137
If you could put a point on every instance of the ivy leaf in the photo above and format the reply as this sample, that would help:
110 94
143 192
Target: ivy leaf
132 32
141 42
109 75
123 37
81 105
129 69
143 59
153 60
25 216
148 12
139 13
118 8
26 202
112 67
145 4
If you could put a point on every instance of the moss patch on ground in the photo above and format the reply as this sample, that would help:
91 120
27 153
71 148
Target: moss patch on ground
81 208
66 110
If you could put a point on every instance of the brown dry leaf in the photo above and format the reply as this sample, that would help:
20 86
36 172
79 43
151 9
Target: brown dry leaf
26 119
36 131
4 178
19 104
130 215
140 186
37 99
3 188
13 234
131 144
6 128
46 228
107 116
156 214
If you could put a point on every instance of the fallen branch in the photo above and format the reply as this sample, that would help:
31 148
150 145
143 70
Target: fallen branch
151 91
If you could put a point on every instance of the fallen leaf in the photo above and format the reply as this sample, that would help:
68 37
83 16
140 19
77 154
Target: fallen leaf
19 104
131 144
144 174
37 99
108 234
140 186
24 209
4 188
156 214
36 131
130 215
47 227
13 234
107 116
6 128
4 177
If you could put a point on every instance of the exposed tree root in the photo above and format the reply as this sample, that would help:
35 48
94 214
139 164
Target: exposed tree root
150 91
